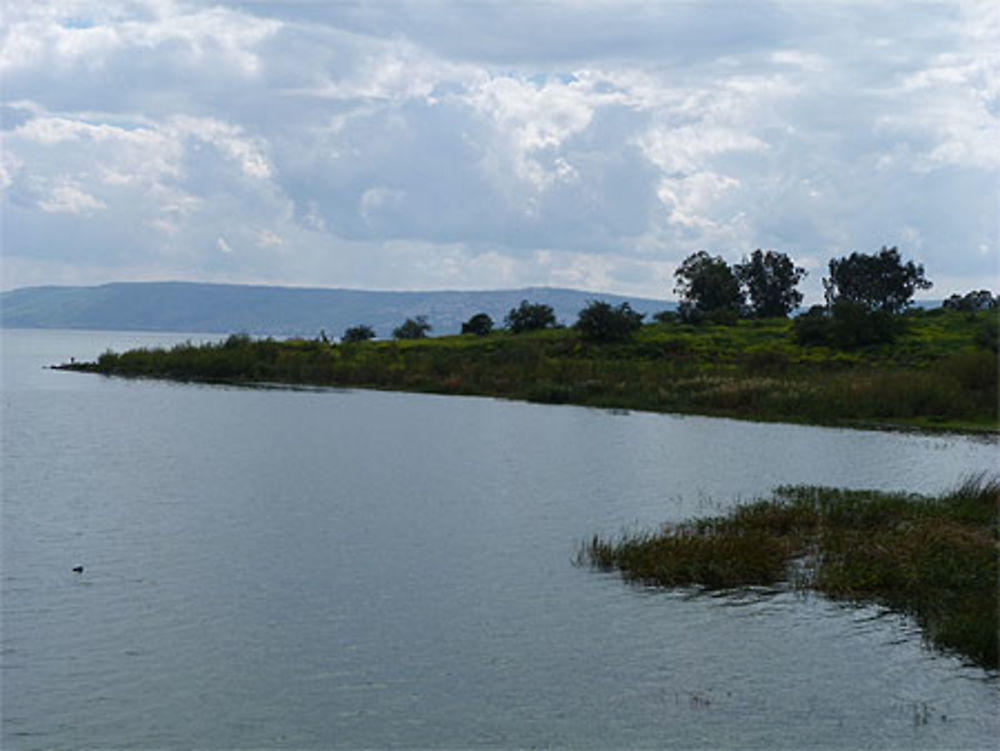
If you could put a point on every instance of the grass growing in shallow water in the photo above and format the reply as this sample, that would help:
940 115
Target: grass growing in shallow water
933 558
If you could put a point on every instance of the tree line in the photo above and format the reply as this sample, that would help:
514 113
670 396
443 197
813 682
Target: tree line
864 295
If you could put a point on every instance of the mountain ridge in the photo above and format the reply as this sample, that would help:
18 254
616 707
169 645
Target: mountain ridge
211 307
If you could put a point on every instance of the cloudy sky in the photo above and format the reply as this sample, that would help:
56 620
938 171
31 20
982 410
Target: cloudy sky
429 144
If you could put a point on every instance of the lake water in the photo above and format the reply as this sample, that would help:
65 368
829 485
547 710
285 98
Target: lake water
309 569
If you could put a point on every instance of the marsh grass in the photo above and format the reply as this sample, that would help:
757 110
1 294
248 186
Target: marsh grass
932 558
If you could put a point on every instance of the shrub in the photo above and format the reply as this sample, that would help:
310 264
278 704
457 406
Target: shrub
234 341
412 328
480 325
360 333
971 302
530 317
812 328
599 321
846 325
988 335
853 325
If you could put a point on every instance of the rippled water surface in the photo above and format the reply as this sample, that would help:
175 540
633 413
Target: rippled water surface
269 568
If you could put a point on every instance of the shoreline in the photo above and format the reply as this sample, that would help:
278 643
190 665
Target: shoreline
972 430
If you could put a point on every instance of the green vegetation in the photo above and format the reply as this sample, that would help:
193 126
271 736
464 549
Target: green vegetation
865 295
360 333
412 328
770 279
970 302
876 282
710 290
939 373
600 321
932 558
530 317
480 324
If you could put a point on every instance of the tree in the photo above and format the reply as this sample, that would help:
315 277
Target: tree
480 324
708 288
971 302
412 328
599 321
879 282
360 333
770 279
530 317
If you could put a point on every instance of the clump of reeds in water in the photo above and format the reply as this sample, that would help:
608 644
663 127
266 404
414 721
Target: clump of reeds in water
932 557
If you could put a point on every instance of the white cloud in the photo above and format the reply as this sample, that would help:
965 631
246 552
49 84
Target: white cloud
691 201
374 199
808 61
92 36
268 239
70 198
690 148
407 144
228 139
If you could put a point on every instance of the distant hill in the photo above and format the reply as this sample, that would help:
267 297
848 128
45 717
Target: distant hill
278 311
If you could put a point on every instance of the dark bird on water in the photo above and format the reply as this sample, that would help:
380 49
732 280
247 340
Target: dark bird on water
78 569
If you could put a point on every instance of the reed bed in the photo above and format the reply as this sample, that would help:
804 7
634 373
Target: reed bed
934 558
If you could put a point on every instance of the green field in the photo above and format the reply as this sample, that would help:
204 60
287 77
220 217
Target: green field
940 373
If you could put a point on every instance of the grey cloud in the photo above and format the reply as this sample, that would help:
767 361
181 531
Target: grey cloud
517 34
459 138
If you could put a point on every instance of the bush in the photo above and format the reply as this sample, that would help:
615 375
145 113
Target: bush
530 317
412 328
989 334
812 328
235 341
722 317
971 302
480 325
853 325
847 325
599 321
360 333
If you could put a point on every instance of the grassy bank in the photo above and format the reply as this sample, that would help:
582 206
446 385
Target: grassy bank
933 558
940 373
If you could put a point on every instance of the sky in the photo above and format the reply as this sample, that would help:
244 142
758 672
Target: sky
433 144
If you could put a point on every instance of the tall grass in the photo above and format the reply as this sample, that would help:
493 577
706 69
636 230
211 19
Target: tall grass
933 558
935 375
